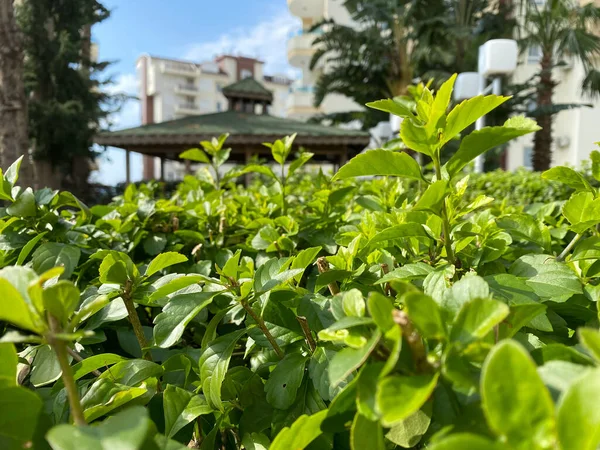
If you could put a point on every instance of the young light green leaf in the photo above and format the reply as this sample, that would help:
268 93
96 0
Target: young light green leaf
12 173
19 413
407 433
393 107
177 314
353 303
163 261
579 415
476 319
399 232
467 113
432 198
380 162
381 310
88 365
15 310
61 300
590 338
105 396
568 176
304 430
8 365
299 162
480 141
195 154
214 362
349 359
284 381
399 397
24 205
365 433
583 211
27 248
425 313
464 441
517 405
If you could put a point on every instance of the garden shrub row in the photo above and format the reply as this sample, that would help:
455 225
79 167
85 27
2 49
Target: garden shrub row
402 311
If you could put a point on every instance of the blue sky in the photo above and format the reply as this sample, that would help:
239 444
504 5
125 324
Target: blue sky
189 29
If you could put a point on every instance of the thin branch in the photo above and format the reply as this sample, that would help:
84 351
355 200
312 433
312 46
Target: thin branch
77 357
415 342
323 267
261 324
135 322
569 247
307 333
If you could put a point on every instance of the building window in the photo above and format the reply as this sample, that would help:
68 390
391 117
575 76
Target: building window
189 81
534 54
189 101
219 108
528 158
245 73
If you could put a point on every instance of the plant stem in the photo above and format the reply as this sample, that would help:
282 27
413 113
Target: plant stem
569 247
261 324
60 348
77 357
135 322
323 267
415 342
307 334
283 206
445 221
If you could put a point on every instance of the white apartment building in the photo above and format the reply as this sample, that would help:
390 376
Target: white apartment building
172 89
300 49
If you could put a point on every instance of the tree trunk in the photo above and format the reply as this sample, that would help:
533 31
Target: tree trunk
542 141
14 141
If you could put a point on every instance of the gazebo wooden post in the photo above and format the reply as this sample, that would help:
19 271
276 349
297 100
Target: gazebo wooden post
162 168
127 167
188 167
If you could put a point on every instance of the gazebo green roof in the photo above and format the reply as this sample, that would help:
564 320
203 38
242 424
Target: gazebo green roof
244 128
248 88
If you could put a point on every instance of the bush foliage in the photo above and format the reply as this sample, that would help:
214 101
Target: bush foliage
318 313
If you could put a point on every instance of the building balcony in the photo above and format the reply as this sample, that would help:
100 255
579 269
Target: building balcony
190 109
179 68
300 103
300 48
307 8
187 89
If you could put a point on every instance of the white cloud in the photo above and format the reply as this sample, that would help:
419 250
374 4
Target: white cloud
129 115
267 41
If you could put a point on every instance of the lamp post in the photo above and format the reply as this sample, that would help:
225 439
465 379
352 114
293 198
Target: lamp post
497 57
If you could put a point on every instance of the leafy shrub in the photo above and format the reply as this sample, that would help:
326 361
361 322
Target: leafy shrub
306 313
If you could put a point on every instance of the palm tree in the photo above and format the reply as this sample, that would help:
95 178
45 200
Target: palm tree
561 29
397 41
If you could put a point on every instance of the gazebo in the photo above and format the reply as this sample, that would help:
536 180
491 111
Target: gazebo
248 131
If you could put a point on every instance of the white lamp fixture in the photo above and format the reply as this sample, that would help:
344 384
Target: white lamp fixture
466 86
497 57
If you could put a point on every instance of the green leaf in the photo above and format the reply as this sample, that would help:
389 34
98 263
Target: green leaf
269 275
163 261
19 412
283 383
117 268
24 205
214 362
480 141
195 154
467 113
380 162
230 269
61 300
464 441
590 338
105 396
256 441
353 303
318 371
27 248
578 414
595 157
417 138
348 360
568 176
132 372
399 397
181 407
583 211
526 227
426 315
399 232
408 432
365 433
517 405
88 365
381 310
53 254
221 156
299 162
476 319
8 365
12 173
432 199
155 243
304 430
393 107
440 104
14 309
126 430
548 278
305 258
177 314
